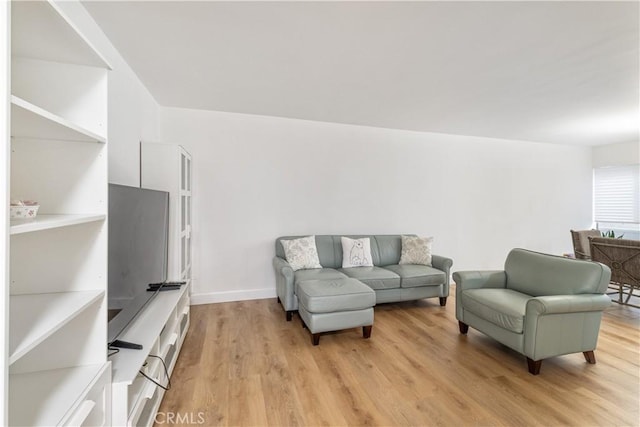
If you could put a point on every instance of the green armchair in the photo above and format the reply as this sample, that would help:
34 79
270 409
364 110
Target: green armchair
540 305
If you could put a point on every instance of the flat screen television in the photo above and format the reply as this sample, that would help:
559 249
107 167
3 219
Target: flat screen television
138 250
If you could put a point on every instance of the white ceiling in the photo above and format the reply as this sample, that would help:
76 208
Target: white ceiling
558 72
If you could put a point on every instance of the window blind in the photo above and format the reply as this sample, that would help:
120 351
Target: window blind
617 194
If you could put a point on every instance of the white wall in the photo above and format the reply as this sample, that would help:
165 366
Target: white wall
616 154
133 112
256 178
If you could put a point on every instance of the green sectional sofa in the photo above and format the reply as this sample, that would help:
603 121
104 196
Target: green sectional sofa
391 281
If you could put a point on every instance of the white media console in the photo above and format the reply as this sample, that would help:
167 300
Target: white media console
160 328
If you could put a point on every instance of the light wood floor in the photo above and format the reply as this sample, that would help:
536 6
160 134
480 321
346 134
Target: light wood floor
243 364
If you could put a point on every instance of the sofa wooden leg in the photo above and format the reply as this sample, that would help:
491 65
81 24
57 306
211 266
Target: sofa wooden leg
443 301
534 366
366 331
278 298
289 316
464 328
590 357
315 339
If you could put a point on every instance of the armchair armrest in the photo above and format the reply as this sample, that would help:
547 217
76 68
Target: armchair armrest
554 304
562 324
476 279
480 279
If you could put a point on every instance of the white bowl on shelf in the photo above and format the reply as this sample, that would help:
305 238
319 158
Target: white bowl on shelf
23 212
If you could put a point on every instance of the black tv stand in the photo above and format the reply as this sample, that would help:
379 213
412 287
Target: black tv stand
125 344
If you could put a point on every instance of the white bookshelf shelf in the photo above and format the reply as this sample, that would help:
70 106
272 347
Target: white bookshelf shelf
35 317
42 30
30 121
51 394
47 222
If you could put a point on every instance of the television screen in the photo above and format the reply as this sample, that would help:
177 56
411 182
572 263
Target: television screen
138 247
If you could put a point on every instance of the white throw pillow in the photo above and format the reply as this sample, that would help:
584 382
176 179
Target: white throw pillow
416 250
301 253
356 252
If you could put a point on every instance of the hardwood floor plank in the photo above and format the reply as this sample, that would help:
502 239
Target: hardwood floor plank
243 364
246 402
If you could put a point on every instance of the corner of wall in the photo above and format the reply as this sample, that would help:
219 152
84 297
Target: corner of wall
626 153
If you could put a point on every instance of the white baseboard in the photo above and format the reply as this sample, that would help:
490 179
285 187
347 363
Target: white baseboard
227 296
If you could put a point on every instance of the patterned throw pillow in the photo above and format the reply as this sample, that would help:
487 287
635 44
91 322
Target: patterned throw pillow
416 250
356 252
301 253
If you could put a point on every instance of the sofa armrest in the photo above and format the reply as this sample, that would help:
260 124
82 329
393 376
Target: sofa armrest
442 263
480 279
555 304
284 284
282 267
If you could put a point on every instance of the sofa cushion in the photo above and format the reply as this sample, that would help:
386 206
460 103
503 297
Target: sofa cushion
503 307
328 296
317 274
374 277
387 249
412 276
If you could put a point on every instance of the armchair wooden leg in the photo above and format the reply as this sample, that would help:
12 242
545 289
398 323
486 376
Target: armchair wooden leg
464 328
590 357
366 331
443 301
278 298
534 366
289 316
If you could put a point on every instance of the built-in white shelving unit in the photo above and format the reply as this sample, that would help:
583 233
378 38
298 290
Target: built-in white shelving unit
167 167
56 313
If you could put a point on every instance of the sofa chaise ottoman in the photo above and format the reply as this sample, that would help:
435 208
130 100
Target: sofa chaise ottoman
331 305
390 280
